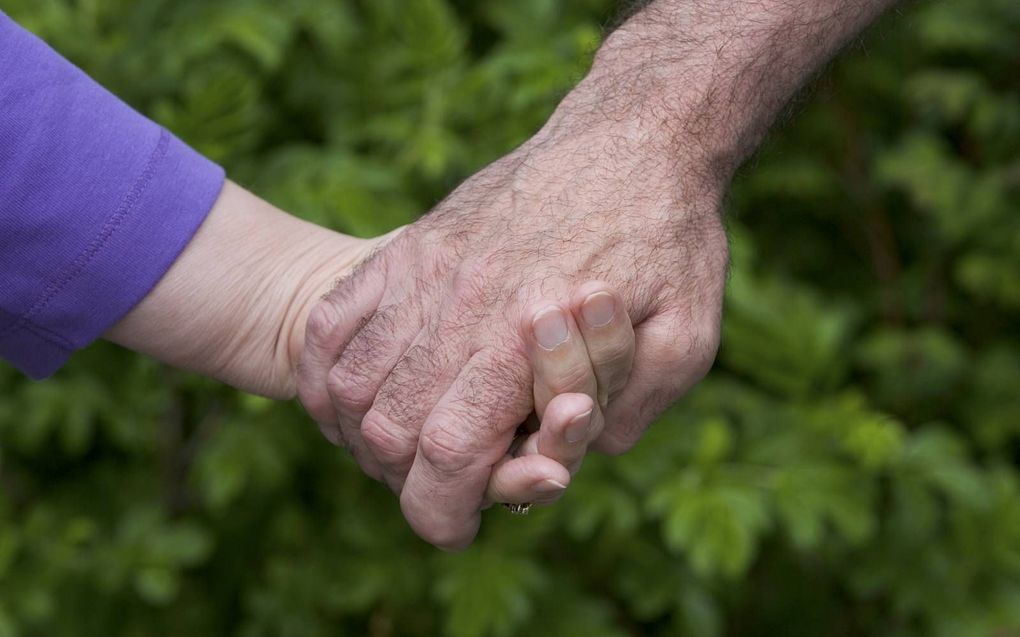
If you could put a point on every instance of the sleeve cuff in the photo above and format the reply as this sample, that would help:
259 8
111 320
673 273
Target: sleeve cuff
124 261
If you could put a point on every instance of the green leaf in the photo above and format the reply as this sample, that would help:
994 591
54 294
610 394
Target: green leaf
717 526
487 592
157 586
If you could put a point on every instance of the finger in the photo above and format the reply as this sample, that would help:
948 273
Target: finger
331 323
559 359
533 479
419 379
466 434
670 357
565 412
608 335
360 371
558 355
567 429
370 355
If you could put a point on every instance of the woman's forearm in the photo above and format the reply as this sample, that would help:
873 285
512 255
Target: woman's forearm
235 302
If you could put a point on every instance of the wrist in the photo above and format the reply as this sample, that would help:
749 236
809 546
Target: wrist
646 136
228 306
655 110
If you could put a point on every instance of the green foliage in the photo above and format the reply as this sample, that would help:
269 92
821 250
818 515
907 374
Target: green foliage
849 468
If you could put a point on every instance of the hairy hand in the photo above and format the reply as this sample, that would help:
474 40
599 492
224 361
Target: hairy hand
417 363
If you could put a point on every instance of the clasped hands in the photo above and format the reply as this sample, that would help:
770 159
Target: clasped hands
583 272
426 356
422 351
517 294
568 360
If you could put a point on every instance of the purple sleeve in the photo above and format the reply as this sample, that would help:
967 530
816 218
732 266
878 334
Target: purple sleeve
96 202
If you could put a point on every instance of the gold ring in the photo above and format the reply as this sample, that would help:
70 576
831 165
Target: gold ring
519 436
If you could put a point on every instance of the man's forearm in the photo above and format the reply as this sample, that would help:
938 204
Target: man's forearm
706 78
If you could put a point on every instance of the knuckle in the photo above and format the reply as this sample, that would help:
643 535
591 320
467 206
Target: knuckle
350 392
446 450
571 459
385 438
690 353
703 353
698 354
710 336
323 320
614 356
577 377
614 389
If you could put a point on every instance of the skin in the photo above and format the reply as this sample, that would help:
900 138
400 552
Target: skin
236 301
419 361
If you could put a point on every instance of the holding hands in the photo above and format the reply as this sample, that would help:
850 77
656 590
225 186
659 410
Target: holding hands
422 361
579 277
573 357
525 425
576 356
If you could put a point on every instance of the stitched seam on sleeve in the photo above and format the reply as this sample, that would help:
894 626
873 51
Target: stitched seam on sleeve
44 334
47 334
125 208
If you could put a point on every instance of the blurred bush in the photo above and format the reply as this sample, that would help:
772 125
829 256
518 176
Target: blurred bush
849 468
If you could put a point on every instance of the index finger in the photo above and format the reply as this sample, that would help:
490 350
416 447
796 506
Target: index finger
466 434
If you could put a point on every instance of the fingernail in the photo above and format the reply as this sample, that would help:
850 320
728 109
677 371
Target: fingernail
548 487
577 429
598 309
550 328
